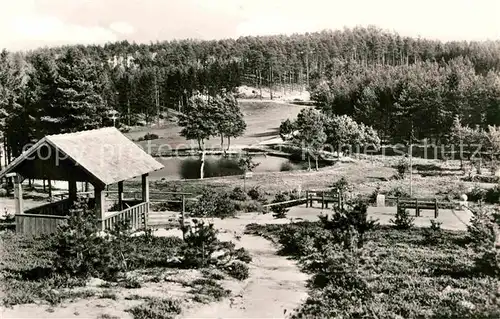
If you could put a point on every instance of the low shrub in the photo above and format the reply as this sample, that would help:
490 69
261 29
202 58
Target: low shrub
243 255
402 220
148 137
203 249
492 195
435 225
488 263
208 290
157 308
249 206
399 192
481 229
81 251
286 167
349 224
279 211
372 198
302 239
256 193
482 179
476 194
238 194
213 204
402 167
433 234
238 270
454 191
131 283
294 194
342 185
254 206
200 244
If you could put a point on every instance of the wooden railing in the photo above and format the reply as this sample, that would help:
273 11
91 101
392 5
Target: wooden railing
288 203
137 216
37 224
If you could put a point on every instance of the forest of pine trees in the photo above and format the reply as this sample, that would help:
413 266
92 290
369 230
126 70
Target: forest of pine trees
379 78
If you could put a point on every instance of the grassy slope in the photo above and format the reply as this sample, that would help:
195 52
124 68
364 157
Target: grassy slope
263 120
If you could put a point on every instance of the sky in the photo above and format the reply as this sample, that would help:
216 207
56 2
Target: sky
28 24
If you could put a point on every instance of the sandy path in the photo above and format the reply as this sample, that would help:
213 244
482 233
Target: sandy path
275 287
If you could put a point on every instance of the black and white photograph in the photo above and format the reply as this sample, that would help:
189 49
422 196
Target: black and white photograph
237 159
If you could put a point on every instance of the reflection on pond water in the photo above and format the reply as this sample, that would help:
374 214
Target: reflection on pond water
189 167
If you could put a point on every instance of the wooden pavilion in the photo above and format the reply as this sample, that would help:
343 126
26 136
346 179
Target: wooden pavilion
100 157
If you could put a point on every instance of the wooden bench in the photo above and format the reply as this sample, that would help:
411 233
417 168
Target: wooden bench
419 204
323 196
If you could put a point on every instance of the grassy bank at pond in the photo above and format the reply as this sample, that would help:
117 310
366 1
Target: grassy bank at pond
398 274
263 119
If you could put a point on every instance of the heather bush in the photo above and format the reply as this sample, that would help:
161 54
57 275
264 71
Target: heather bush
157 308
238 270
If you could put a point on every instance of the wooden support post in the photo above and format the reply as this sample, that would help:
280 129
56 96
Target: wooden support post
183 216
18 193
72 190
120 195
145 188
100 205
417 211
436 210
322 200
145 197
307 199
49 181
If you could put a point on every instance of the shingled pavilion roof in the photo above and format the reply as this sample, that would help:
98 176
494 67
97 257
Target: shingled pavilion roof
105 154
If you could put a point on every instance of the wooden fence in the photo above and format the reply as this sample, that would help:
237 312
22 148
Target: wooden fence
37 224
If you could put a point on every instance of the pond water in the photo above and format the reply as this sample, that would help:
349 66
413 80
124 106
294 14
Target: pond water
189 167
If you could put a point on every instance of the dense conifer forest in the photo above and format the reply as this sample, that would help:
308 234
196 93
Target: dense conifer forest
393 83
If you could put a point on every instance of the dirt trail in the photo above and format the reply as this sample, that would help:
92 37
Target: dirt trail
274 289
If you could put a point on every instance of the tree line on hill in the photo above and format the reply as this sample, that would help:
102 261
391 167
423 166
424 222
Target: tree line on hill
419 100
379 78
